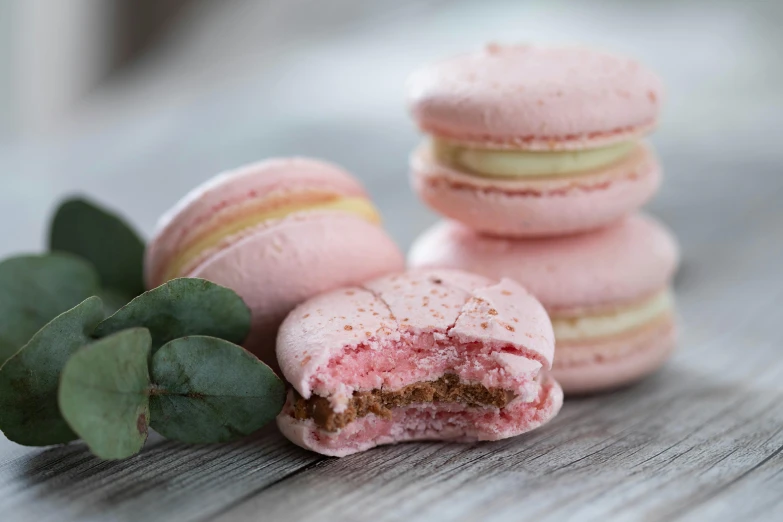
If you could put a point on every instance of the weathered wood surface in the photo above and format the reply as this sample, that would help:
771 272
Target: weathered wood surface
701 440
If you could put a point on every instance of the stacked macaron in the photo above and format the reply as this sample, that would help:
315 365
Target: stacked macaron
536 156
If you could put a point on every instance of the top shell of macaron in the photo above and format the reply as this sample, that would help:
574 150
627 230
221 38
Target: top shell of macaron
535 98
398 309
621 263
238 201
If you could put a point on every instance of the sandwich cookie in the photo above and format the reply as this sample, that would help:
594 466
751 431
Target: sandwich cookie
277 232
532 141
425 355
608 293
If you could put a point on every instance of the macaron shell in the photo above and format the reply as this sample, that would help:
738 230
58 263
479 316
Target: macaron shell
279 267
422 304
389 312
535 98
605 364
324 326
621 263
231 189
536 207
469 308
506 313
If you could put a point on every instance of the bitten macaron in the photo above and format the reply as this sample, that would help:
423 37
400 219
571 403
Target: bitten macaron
277 232
425 355
534 141
608 292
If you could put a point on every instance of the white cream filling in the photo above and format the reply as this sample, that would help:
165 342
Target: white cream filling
619 321
521 163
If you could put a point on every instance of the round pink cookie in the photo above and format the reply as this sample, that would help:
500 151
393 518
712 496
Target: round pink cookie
276 263
618 264
543 206
535 98
577 276
411 329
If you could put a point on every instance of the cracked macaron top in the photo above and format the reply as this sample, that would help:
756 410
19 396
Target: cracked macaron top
241 202
416 327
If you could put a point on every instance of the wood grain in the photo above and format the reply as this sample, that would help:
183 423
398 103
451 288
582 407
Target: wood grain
700 440
167 479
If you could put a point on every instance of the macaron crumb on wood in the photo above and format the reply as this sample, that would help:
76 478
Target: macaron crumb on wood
277 232
424 355
530 141
608 292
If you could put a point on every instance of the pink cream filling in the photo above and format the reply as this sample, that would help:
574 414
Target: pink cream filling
425 357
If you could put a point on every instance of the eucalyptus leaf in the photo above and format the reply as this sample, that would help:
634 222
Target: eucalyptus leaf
104 393
112 301
36 289
209 390
29 414
103 238
183 307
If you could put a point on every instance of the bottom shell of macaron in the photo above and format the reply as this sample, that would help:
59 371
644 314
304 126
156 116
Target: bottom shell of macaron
377 418
603 364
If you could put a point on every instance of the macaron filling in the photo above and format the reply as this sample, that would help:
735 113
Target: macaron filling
616 322
393 366
380 402
425 421
224 230
514 163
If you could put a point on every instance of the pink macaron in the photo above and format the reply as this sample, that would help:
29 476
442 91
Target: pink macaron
532 141
607 292
277 232
426 355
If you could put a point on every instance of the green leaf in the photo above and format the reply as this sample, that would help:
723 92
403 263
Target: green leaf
36 289
183 307
103 238
28 381
104 393
112 301
209 390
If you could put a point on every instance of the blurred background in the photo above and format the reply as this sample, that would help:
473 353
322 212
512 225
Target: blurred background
134 102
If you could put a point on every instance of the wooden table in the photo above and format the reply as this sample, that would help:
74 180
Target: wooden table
701 440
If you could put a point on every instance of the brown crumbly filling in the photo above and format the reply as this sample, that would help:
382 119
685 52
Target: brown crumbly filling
446 389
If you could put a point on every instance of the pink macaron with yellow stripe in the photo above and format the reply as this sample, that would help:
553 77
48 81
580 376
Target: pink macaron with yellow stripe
531 141
608 292
277 232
